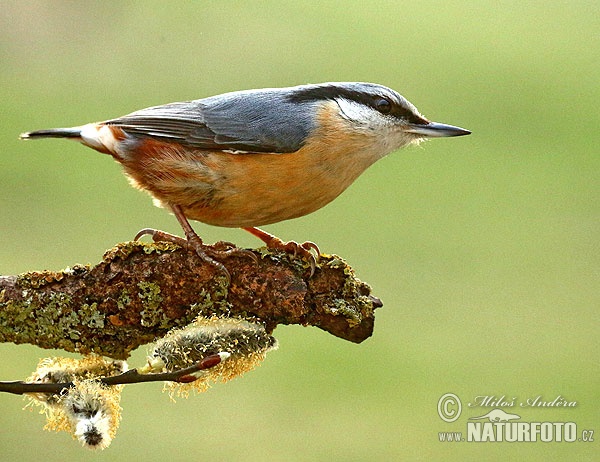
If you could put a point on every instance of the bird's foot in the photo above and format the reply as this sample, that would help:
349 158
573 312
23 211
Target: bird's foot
309 251
193 242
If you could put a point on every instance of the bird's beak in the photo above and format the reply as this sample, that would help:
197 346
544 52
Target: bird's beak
436 130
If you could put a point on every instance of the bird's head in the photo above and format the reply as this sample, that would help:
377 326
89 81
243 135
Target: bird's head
376 111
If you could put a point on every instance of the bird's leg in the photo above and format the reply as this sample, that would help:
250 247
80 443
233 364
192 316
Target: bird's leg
193 241
296 249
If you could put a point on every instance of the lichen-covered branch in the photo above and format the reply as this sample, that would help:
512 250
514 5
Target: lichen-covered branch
139 291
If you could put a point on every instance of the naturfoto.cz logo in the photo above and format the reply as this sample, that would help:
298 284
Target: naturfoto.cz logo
498 425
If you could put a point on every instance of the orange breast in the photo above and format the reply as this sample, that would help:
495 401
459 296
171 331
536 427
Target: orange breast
251 189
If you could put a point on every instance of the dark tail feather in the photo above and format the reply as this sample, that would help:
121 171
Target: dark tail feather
74 132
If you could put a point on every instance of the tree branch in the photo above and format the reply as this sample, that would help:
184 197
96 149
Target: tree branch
140 291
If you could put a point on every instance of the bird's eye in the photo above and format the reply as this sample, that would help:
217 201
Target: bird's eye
383 105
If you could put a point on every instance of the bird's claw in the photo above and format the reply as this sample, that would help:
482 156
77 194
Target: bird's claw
233 251
161 236
193 242
308 251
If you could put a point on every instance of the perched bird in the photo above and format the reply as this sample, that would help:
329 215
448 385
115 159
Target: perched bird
254 157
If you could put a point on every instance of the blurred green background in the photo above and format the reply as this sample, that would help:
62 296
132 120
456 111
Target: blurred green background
484 249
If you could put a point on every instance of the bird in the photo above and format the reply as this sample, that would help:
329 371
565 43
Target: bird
251 158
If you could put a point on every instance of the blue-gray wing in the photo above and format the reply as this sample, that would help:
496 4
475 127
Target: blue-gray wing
253 121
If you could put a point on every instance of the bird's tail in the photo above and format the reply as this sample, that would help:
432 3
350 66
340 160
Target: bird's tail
74 132
98 136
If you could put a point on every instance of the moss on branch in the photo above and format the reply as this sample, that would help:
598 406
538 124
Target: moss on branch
139 291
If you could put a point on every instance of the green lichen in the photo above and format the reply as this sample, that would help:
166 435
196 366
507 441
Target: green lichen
354 302
91 317
300 264
219 302
152 315
37 279
208 305
58 302
67 323
265 252
340 307
125 249
16 312
335 262
124 299
47 318
54 315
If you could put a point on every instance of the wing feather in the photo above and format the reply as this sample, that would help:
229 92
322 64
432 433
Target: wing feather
250 121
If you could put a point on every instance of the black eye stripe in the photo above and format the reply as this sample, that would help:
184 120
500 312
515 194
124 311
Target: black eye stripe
368 99
332 92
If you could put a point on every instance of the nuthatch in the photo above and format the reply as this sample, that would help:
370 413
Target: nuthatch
251 158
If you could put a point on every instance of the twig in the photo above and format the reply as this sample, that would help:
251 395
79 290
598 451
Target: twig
132 376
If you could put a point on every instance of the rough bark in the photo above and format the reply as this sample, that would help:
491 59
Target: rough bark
139 291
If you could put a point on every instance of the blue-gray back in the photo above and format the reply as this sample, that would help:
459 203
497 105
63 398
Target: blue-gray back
252 120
